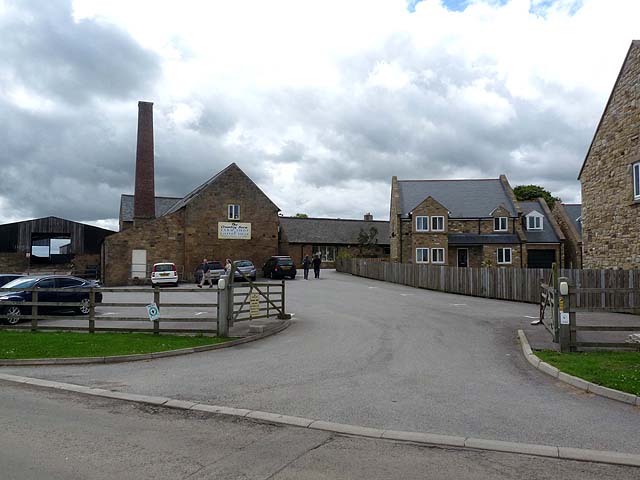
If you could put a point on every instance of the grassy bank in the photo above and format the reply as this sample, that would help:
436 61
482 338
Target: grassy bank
71 344
619 370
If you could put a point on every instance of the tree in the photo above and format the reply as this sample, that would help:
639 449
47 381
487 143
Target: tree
367 239
531 192
301 215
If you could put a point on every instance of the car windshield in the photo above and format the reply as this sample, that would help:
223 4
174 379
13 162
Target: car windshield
21 283
243 263
215 266
164 267
285 261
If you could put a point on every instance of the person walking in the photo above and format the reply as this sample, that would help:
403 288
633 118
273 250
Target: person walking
206 274
306 265
317 261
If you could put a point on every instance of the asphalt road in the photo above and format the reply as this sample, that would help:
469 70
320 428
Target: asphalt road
59 436
376 354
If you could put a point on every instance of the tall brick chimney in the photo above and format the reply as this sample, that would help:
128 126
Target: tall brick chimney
144 202
368 217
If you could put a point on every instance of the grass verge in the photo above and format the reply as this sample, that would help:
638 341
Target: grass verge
619 370
21 345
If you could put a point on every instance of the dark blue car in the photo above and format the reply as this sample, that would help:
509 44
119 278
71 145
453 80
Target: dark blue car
8 277
14 313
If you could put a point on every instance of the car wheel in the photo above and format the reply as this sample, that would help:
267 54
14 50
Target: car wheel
14 315
85 307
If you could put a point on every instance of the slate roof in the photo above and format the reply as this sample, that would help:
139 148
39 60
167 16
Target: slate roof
331 231
574 211
474 239
547 234
163 204
463 198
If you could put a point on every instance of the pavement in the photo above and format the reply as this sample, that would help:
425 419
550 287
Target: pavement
386 356
53 435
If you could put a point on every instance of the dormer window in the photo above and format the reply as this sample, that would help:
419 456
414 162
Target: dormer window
535 221
501 224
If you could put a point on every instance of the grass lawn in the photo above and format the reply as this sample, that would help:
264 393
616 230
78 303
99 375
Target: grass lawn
72 344
619 370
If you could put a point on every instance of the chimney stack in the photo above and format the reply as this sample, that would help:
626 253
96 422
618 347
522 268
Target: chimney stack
144 202
368 217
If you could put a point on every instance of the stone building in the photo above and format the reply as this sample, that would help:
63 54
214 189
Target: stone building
333 237
569 218
470 223
228 216
610 176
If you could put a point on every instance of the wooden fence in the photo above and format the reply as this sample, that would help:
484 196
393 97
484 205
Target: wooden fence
596 290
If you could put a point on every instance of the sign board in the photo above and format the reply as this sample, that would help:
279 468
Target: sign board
254 304
153 311
234 231
564 319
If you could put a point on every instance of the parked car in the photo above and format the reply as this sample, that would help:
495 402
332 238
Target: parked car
62 282
246 267
163 273
279 267
8 277
216 268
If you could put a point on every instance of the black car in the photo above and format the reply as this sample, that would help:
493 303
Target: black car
279 267
62 282
8 277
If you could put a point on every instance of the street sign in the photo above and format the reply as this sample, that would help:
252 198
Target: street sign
254 304
153 311
564 319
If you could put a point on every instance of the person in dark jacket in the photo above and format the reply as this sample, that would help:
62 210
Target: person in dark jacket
316 266
306 265
206 273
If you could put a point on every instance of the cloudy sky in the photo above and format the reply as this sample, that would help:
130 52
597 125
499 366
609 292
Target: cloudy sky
320 102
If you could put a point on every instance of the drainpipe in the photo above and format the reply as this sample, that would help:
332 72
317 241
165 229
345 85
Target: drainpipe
400 235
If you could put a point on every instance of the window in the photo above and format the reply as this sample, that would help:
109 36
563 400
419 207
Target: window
437 255
422 224
327 252
234 212
500 224
68 282
534 222
437 224
47 283
422 255
504 255
636 181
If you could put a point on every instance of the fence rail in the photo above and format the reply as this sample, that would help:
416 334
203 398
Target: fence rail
597 290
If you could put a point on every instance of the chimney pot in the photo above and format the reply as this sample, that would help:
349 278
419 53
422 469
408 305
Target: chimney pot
368 217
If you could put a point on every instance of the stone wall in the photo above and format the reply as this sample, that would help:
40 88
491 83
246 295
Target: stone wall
610 226
489 255
13 263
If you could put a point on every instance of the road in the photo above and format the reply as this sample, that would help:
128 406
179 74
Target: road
376 354
58 436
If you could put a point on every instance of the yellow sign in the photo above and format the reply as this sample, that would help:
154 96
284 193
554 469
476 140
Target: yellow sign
254 304
234 231
561 304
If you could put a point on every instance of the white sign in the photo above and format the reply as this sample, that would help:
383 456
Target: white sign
254 304
564 319
153 311
234 231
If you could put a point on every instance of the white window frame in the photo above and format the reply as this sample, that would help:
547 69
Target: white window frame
433 257
233 211
425 255
636 180
327 253
531 221
500 229
504 250
425 220
441 220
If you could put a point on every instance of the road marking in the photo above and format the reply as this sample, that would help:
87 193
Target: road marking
200 313
458 304
372 287
529 316
406 294
109 313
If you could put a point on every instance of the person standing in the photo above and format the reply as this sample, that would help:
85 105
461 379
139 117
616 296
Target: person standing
306 265
206 274
316 266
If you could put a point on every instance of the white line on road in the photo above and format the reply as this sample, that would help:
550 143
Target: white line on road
529 316
109 313
458 304
200 313
372 287
406 294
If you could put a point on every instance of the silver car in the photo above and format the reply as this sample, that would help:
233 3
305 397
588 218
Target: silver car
244 267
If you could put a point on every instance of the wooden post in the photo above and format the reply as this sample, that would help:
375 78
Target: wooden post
34 311
92 310
156 300
282 298
268 304
564 307
571 308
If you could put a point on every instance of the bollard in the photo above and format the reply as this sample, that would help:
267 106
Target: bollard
156 300
564 307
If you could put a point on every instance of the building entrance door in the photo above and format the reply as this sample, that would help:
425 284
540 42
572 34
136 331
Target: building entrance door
463 255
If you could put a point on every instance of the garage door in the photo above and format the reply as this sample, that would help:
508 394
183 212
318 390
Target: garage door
541 258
